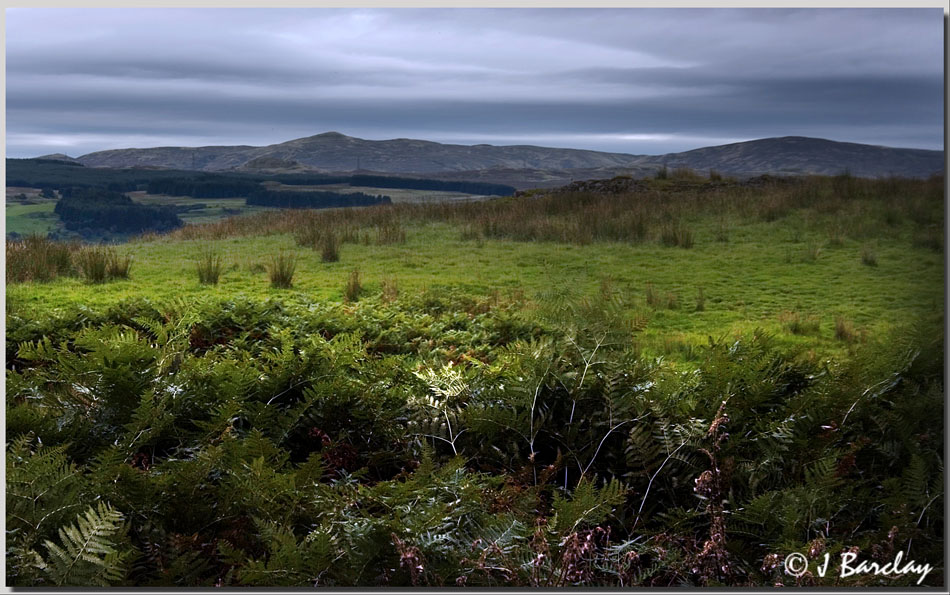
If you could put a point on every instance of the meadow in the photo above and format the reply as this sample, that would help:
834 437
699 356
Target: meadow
677 385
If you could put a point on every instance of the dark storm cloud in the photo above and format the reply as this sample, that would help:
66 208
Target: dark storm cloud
634 80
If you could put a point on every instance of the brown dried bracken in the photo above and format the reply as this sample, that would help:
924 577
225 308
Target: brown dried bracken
712 561
816 548
771 562
410 558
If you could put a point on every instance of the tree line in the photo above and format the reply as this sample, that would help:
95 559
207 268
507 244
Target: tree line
314 199
43 173
106 210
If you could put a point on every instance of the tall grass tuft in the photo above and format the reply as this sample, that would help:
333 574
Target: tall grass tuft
354 287
676 234
390 289
281 271
798 324
330 247
36 258
844 330
118 266
93 262
209 268
930 238
868 256
652 296
390 232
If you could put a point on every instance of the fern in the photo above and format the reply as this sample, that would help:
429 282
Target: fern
87 556
589 505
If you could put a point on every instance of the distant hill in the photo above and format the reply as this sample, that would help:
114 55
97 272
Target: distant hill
803 155
58 157
335 152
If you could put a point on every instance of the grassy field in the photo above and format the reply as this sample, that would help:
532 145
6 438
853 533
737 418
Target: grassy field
680 385
38 217
793 276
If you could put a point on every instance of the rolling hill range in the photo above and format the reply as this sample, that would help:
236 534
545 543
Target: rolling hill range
803 155
335 152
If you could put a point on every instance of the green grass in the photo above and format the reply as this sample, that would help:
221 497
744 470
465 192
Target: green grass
214 210
445 374
32 218
747 283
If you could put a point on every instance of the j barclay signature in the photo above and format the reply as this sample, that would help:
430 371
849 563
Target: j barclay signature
796 564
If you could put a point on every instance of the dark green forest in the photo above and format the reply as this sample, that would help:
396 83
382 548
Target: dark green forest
45 173
103 210
314 200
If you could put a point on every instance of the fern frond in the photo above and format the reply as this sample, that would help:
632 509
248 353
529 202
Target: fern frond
87 555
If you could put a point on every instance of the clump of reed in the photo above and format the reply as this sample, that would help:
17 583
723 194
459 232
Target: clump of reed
330 247
844 330
281 270
657 299
868 256
799 324
209 267
118 265
99 264
353 287
676 234
36 258
390 232
390 289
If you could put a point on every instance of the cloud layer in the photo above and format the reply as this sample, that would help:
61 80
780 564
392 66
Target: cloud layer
626 80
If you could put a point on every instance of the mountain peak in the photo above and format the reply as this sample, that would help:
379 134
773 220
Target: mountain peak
330 135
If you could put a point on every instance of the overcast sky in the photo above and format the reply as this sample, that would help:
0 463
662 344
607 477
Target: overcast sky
636 80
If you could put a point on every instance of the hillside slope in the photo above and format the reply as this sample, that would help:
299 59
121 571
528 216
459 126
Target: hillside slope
332 151
803 155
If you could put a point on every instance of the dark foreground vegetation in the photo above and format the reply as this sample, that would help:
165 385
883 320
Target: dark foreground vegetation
442 438
446 441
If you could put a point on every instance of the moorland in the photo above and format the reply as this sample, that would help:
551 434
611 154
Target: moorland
678 379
